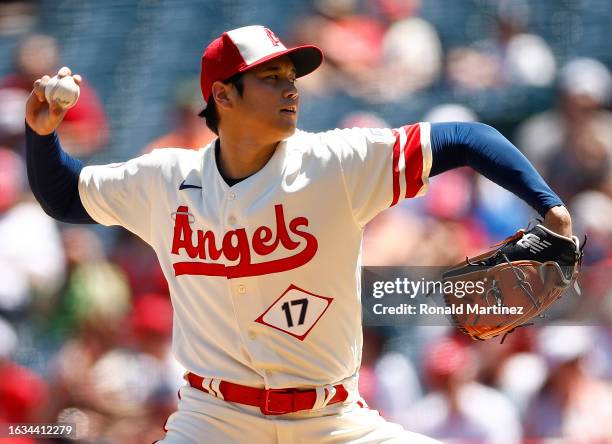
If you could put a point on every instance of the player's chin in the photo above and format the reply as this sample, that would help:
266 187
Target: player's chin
287 118
286 125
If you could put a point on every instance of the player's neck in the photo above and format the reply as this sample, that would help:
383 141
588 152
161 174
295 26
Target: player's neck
241 157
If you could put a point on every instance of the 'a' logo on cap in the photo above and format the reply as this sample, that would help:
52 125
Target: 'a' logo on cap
275 40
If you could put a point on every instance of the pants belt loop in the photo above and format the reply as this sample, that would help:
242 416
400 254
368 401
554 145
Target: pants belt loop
211 385
215 385
206 386
324 395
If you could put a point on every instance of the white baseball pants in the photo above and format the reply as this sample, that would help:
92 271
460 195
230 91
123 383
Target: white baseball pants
204 419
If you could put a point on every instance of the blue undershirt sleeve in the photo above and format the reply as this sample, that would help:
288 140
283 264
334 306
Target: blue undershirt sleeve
54 178
487 151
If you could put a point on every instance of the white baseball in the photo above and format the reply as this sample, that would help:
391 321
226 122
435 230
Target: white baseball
64 91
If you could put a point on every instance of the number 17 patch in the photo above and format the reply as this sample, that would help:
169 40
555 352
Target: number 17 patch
295 312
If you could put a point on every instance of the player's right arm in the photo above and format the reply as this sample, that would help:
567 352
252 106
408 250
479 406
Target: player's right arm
52 173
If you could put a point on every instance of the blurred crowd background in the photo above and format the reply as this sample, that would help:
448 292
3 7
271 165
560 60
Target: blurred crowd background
85 318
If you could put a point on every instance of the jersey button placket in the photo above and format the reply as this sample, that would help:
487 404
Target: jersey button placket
231 219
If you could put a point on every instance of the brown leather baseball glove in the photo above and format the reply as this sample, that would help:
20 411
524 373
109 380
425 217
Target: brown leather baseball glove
512 284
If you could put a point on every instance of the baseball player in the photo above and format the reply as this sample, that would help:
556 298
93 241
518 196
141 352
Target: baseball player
259 236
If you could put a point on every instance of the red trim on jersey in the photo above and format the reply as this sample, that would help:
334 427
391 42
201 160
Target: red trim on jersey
395 167
413 156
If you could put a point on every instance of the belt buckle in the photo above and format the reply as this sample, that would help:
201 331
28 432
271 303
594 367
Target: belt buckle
265 405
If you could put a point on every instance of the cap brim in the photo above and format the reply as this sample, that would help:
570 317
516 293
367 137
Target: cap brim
305 58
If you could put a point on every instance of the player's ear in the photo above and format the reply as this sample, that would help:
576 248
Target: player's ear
221 94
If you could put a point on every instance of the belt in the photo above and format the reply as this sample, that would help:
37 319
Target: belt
270 401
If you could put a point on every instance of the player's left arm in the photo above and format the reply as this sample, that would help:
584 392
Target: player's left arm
487 151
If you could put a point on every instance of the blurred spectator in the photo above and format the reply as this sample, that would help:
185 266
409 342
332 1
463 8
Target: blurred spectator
450 196
601 356
31 257
395 370
96 293
411 52
454 232
189 130
520 376
449 241
12 110
84 130
382 373
142 379
575 139
8 340
511 57
144 275
573 404
585 156
513 367
450 112
350 40
82 246
458 408
125 382
592 211
96 302
363 119
381 56
17 16
150 325
500 211
22 392
584 90
470 69
380 245
493 355
12 180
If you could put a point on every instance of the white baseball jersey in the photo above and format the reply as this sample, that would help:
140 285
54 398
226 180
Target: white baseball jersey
264 276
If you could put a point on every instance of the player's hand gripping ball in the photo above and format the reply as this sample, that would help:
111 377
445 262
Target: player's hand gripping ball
64 91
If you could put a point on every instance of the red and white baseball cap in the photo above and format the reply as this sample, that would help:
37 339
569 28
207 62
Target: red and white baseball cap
244 48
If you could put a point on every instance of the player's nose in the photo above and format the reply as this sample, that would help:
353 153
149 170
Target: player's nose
291 92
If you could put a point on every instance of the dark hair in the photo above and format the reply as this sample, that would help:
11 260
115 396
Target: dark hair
210 113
